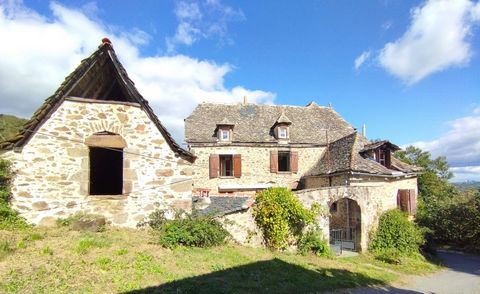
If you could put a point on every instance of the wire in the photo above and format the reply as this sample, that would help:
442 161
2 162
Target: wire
108 148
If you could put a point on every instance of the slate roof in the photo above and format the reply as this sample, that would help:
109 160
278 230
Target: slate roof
221 205
254 123
346 154
100 76
377 144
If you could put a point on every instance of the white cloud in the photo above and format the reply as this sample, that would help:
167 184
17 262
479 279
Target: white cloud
436 39
461 144
360 60
37 53
202 20
466 173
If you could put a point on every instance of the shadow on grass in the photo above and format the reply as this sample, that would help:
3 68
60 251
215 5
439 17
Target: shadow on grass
271 276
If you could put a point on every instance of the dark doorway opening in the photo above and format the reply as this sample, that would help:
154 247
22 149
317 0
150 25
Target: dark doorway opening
106 171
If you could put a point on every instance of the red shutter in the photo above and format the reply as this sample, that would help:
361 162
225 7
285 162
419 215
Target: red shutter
237 165
273 161
294 161
214 165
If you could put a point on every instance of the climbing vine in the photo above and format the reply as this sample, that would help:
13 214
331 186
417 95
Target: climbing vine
281 217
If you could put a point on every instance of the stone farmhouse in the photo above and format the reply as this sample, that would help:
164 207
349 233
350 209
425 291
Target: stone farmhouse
243 148
96 146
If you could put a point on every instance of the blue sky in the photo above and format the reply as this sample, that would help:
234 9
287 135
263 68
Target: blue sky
409 70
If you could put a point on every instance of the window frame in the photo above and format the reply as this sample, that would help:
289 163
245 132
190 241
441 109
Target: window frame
282 135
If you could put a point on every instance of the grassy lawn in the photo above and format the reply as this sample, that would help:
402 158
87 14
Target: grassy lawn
120 260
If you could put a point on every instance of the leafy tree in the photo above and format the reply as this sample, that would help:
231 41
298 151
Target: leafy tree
452 215
416 156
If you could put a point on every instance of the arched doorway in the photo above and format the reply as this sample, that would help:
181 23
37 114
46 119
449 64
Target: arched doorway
345 225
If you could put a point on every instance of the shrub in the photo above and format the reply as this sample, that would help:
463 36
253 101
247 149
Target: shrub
396 233
9 219
312 241
281 217
193 230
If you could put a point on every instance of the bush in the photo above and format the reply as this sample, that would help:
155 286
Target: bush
9 219
281 217
312 241
396 233
454 222
193 230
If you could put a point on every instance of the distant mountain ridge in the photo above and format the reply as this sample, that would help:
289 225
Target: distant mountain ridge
10 125
467 184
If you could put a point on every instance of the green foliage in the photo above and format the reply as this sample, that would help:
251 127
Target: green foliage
190 230
454 222
9 219
396 233
451 215
9 126
281 217
416 156
312 241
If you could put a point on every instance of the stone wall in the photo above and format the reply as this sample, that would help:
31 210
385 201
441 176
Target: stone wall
52 170
243 229
255 166
373 196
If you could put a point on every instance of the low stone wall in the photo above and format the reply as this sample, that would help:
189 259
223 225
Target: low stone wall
52 170
243 228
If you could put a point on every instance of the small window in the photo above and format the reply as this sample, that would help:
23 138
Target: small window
284 161
282 133
226 165
333 208
224 135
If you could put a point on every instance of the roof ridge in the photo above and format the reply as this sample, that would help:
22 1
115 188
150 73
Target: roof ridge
52 103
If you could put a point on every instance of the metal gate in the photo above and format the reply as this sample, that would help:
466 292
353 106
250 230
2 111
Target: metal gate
343 239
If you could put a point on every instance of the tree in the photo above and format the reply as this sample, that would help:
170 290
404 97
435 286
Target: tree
416 156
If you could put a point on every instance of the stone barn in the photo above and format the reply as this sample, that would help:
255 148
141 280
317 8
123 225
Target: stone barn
96 146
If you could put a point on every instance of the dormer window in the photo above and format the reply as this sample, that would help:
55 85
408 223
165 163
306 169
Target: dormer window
225 131
283 132
281 127
224 135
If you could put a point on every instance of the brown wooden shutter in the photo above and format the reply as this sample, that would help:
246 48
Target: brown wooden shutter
403 200
388 160
413 201
237 165
294 161
273 161
214 165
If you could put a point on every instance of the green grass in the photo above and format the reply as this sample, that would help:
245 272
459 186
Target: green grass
64 261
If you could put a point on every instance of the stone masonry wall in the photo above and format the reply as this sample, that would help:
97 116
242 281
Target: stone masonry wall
52 174
255 166
374 196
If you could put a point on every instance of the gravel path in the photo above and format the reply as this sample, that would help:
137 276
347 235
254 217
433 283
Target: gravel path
460 276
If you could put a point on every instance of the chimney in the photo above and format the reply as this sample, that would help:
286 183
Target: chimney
364 130
244 99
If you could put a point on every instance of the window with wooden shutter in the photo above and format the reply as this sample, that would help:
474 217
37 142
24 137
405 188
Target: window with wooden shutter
214 164
294 161
237 165
273 161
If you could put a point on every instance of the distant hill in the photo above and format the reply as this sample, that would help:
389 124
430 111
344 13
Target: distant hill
10 125
467 185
